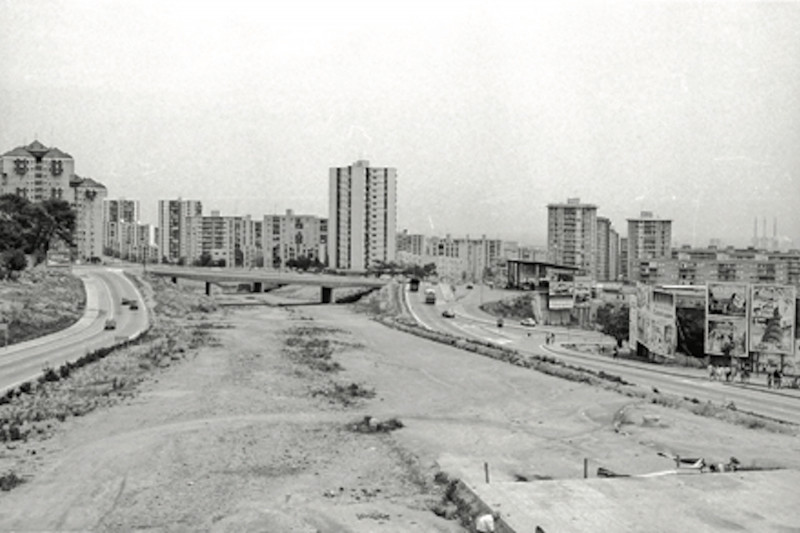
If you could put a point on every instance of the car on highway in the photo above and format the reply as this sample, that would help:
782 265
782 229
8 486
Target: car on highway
500 322
449 313
134 306
111 323
469 285
126 301
528 322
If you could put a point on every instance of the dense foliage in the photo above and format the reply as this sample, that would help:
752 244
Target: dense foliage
28 228
614 321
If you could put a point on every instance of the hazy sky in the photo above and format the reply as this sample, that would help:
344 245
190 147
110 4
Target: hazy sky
488 110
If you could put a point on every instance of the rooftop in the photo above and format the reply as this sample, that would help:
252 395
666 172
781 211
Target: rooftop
37 149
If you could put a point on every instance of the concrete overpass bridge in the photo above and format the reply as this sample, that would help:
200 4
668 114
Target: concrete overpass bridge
260 279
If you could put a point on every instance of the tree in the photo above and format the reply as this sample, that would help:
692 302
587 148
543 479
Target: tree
31 227
204 260
13 261
614 321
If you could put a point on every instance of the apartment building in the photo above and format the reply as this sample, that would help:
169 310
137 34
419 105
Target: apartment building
572 235
362 216
698 266
224 240
173 231
37 173
118 212
457 259
88 198
411 243
289 236
648 238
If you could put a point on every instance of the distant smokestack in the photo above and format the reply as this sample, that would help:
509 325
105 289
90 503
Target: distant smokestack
774 227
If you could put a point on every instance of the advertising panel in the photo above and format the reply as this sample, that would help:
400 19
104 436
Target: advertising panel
726 319
633 321
561 293
726 336
663 337
583 290
663 304
772 319
727 299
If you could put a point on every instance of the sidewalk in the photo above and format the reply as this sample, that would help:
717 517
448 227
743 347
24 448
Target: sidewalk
757 381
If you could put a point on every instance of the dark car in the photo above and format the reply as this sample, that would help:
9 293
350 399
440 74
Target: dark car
134 306
449 313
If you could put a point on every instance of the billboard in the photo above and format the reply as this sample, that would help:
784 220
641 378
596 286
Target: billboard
633 320
655 320
583 290
726 319
663 336
726 336
561 292
772 319
663 304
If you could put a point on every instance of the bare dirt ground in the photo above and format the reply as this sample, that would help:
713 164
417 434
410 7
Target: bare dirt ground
244 436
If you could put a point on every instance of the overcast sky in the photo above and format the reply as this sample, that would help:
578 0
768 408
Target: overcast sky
488 110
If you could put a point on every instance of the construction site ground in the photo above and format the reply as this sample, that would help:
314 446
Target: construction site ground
242 437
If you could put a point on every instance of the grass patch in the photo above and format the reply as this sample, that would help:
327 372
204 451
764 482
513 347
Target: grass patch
41 302
346 395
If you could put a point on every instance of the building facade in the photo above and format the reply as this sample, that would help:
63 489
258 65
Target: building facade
649 238
88 199
572 235
173 231
224 240
362 216
288 237
37 173
116 213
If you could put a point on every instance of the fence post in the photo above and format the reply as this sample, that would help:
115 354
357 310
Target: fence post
486 471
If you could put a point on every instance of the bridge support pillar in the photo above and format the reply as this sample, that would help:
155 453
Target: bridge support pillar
327 295
174 280
208 288
258 286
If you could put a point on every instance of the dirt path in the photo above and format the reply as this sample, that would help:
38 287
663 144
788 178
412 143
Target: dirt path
235 440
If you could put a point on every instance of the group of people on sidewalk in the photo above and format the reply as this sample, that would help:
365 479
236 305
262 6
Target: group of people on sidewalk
549 338
730 373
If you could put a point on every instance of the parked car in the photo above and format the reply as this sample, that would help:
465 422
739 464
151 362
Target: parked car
528 322
111 323
449 313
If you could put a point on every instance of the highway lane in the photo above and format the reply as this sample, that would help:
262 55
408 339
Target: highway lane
104 290
683 382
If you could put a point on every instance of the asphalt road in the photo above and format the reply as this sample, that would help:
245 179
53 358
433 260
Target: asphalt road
105 288
470 321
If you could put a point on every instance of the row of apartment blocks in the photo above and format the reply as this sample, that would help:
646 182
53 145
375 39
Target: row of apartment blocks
578 237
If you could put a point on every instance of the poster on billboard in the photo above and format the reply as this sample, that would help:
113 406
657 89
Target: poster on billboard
663 304
663 336
561 292
633 320
726 336
583 290
726 319
772 319
727 299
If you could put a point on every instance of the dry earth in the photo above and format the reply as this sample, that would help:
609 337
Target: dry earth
235 438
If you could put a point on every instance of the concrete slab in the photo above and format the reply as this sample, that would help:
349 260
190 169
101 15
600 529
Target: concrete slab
742 501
